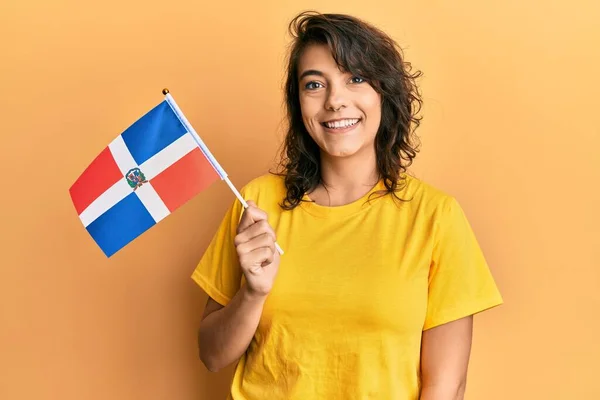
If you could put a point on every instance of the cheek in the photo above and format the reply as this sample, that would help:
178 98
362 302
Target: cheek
309 113
372 107
311 127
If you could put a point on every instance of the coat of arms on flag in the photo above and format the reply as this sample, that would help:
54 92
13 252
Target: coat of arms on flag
148 171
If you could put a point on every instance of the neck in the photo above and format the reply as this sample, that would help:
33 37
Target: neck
345 179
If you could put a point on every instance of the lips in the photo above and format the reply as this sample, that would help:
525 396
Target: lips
341 124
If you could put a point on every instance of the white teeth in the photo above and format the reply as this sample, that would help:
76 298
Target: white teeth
344 123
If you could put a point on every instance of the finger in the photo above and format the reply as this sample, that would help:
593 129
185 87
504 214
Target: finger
254 230
251 215
269 259
257 258
262 240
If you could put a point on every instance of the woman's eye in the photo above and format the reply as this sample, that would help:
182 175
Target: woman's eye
357 79
313 85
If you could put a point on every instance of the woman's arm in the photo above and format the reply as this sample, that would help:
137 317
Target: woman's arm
226 332
445 356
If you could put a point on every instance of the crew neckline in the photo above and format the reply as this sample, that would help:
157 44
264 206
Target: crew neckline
358 205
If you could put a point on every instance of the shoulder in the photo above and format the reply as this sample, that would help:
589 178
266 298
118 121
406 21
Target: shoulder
430 205
441 209
266 183
425 195
267 191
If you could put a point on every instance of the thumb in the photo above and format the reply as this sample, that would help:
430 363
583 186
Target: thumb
250 216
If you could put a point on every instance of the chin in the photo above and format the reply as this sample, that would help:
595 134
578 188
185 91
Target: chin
340 153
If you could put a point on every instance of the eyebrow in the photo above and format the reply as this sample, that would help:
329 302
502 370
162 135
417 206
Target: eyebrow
310 72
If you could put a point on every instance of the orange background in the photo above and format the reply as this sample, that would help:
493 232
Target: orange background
511 129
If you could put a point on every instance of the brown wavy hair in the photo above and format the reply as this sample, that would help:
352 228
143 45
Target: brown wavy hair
367 52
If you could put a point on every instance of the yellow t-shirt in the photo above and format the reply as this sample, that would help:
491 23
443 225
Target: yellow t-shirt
356 287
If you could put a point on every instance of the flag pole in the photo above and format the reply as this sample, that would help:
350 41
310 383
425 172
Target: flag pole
212 160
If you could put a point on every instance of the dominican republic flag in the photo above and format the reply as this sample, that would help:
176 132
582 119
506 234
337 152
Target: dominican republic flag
142 176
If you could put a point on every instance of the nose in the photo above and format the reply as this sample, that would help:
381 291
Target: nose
336 98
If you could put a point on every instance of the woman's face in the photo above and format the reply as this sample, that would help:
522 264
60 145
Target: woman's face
341 112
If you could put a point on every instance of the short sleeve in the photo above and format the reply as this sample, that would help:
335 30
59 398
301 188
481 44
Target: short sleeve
460 281
218 272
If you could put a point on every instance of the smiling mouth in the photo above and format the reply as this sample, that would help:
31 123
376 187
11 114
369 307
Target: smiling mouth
341 123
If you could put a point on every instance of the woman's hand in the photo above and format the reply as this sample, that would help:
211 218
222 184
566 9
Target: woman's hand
226 331
255 245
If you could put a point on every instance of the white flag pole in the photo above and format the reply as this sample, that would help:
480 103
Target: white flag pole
211 159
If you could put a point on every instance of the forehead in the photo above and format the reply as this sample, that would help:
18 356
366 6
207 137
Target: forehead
318 57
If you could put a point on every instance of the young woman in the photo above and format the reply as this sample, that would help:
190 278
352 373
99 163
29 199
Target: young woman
381 275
